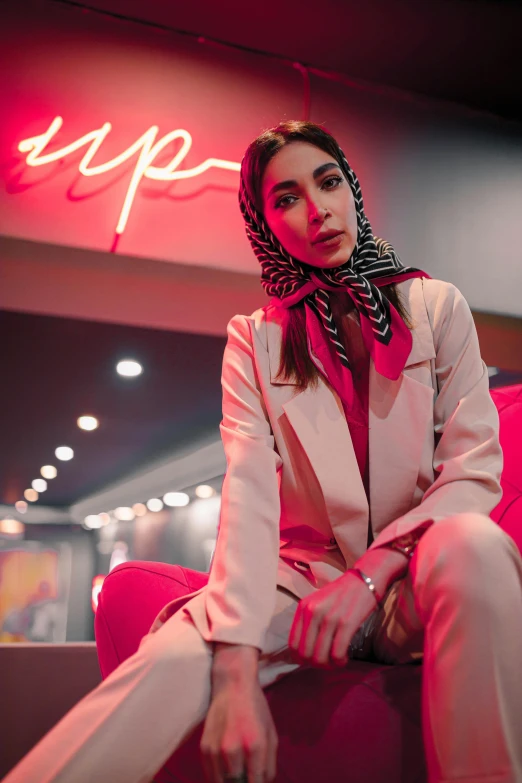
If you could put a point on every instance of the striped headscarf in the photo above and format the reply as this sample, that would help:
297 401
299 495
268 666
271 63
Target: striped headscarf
373 263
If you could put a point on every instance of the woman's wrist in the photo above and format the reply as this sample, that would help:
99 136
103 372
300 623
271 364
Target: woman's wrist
384 566
234 662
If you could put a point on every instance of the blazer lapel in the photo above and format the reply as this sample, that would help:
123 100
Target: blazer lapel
397 413
317 418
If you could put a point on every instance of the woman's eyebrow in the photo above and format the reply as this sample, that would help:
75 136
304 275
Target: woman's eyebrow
291 183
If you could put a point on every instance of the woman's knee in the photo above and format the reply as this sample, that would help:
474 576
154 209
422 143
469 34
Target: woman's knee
465 547
463 535
180 648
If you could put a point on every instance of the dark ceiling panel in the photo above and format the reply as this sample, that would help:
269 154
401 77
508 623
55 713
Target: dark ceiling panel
57 369
466 51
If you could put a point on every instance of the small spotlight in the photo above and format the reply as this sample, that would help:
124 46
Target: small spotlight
124 514
176 499
88 423
140 509
11 527
205 491
40 485
31 495
21 506
64 453
154 504
129 368
48 471
92 521
105 518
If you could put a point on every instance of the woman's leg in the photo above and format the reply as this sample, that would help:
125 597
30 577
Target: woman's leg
127 727
461 603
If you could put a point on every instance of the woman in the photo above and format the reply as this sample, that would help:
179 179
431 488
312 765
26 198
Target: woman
363 462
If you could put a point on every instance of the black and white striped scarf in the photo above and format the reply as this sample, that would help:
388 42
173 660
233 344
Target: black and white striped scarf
288 280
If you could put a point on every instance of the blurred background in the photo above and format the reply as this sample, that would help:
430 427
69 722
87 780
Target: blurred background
123 254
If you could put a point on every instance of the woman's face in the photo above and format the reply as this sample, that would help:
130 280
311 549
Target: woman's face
305 194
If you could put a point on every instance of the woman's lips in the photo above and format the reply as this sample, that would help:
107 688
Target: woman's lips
331 241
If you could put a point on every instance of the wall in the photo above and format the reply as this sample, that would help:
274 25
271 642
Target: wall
442 184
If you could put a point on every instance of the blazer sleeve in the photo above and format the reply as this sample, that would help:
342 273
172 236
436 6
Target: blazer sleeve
467 458
241 591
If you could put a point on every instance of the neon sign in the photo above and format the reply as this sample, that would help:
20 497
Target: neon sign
147 147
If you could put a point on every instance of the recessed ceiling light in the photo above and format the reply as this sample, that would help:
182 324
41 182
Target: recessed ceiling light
93 521
124 514
129 368
21 506
154 504
140 509
176 499
48 471
205 491
40 485
88 423
11 527
31 495
64 453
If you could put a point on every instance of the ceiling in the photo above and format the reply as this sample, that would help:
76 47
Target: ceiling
464 51
57 369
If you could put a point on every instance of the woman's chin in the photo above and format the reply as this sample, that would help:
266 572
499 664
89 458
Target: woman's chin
330 259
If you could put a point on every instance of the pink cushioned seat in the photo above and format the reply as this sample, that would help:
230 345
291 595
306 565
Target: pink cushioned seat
361 723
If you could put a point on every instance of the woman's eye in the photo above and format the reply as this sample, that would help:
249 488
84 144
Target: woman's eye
337 180
281 201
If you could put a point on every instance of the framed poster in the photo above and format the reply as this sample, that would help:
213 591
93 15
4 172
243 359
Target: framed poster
34 591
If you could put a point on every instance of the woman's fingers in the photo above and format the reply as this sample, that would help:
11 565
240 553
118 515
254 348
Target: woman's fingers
304 631
340 643
311 624
323 643
294 636
233 761
256 762
212 766
322 630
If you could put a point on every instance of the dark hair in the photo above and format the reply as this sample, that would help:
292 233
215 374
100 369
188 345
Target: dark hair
295 362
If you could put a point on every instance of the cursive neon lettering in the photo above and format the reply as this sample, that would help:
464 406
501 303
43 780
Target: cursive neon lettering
147 147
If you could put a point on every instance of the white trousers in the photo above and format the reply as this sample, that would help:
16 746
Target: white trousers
460 605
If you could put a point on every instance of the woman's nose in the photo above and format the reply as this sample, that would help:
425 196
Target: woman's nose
317 213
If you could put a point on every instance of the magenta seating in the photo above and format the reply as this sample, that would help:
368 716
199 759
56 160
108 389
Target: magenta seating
361 723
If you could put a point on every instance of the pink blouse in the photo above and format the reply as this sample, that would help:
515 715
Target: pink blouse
356 411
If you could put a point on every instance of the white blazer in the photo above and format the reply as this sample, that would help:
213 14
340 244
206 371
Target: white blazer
294 510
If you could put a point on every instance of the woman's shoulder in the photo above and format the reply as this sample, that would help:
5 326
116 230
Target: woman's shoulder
443 306
440 296
255 324
430 286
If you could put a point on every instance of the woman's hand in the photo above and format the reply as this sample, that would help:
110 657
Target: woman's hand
326 621
239 733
